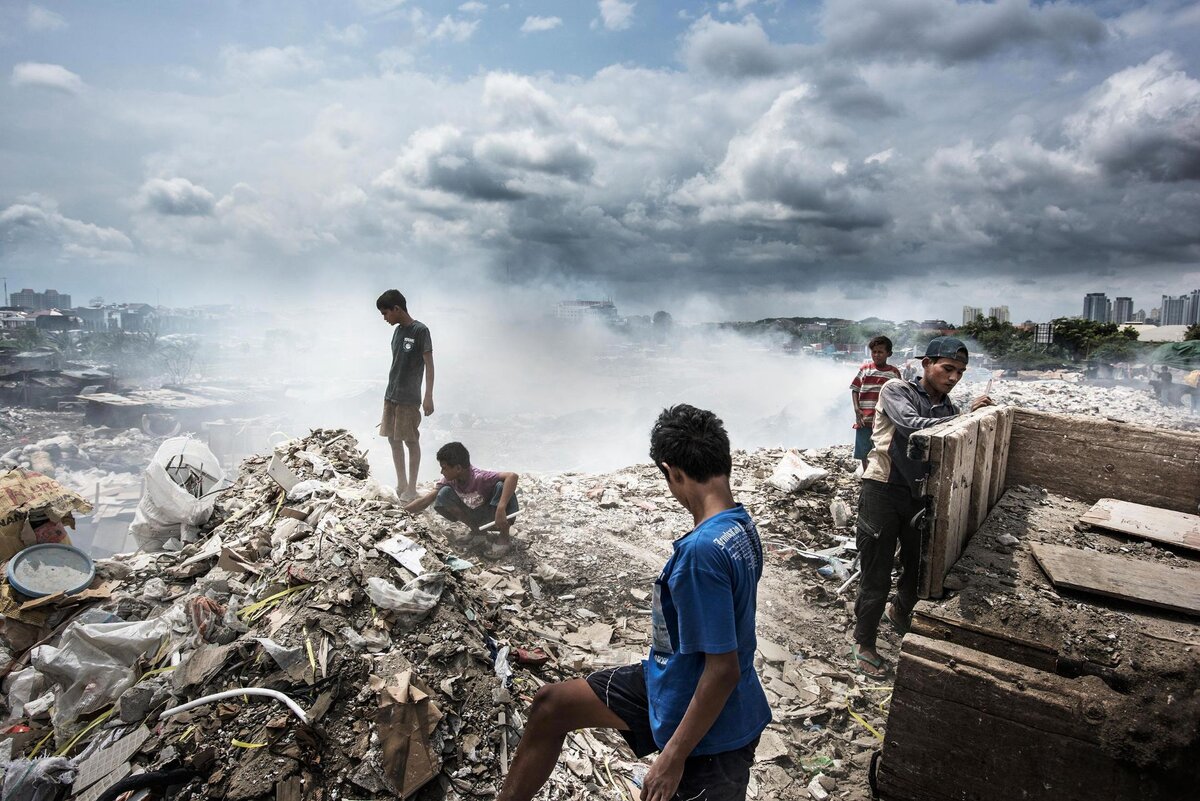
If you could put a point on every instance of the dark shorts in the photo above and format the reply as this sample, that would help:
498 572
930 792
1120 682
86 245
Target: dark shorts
862 442
448 499
712 777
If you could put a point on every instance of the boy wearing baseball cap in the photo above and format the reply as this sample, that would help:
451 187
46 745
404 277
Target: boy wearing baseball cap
890 498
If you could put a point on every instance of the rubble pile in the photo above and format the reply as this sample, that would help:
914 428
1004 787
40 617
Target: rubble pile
391 650
583 572
87 450
1137 405
405 661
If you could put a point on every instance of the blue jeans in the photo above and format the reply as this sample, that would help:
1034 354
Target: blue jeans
450 506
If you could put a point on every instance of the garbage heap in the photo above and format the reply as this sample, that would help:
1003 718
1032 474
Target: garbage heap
391 665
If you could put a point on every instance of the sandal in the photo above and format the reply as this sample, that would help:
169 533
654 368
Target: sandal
901 627
861 659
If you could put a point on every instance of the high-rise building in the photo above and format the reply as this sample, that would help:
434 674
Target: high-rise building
1192 313
999 313
40 301
1096 306
971 314
1139 316
1122 310
1174 310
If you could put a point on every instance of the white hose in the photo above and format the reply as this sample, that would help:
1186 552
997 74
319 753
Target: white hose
208 699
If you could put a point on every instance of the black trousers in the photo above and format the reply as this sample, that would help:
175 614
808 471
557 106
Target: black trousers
885 512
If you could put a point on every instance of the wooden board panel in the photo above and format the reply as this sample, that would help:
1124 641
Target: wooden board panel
928 622
952 454
981 476
967 726
1121 577
1147 522
1089 459
1004 421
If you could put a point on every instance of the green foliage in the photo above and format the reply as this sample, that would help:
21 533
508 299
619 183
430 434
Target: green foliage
1083 339
1193 332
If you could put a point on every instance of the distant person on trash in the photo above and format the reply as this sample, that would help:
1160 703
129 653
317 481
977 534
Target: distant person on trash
864 391
889 501
403 401
696 699
472 496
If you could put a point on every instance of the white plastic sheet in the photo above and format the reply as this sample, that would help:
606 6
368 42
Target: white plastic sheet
93 663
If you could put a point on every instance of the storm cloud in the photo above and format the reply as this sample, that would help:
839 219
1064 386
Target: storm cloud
752 151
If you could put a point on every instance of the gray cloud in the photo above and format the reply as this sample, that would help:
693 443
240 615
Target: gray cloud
176 196
1143 121
951 32
734 49
440 159
36 221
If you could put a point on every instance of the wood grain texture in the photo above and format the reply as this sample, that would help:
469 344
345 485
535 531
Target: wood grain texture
1167 526
1089 459
1121 577
1004 422
967 726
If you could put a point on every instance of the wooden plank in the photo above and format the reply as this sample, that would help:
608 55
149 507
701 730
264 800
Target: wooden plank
1000 454
928 622
981 476
951 449
1089 459
1120 577
968 726
1148 522
964 472
951 481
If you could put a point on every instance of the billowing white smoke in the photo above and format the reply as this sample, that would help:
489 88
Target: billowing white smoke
526 392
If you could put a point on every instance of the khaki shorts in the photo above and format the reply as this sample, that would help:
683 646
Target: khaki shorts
400 422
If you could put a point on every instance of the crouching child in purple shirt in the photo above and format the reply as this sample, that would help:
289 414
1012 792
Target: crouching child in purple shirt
696 699
477 498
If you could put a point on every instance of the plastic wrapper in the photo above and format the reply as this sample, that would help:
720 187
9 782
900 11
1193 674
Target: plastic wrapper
416 597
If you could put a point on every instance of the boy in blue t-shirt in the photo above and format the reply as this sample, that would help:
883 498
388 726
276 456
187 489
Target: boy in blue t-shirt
696 699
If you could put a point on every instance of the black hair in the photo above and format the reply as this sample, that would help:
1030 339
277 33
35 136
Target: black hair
390 300
454 454
880 340
694 440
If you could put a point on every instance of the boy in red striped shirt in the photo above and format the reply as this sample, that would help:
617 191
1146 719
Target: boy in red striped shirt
864 393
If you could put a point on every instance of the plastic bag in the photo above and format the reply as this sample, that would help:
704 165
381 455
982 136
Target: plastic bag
93 663
177 500
793 474
417 597
22 686
37 779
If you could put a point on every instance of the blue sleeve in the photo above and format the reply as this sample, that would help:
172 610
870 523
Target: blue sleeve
702 593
